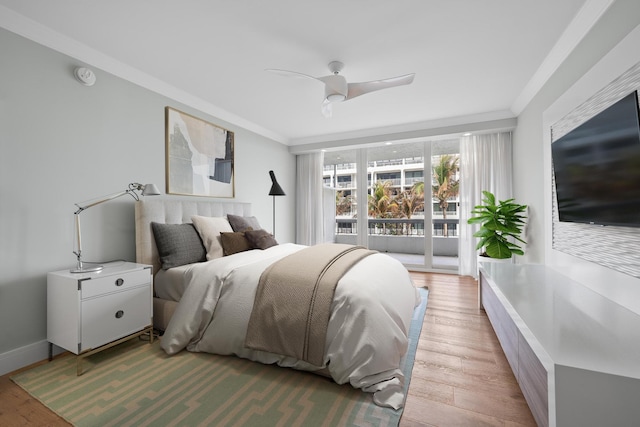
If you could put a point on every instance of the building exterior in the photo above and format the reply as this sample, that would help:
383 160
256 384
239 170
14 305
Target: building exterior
400 175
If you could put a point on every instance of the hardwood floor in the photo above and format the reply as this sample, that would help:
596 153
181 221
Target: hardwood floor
18 408
460 376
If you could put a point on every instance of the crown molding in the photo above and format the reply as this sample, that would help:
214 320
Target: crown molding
435 129
47 37
581 24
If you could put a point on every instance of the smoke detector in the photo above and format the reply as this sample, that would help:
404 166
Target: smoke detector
85 76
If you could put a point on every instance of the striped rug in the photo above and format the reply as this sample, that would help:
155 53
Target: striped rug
137 384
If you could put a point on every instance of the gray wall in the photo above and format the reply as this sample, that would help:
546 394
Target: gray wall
530 153
62 143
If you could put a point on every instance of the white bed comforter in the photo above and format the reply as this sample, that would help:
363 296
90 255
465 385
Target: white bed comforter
368 328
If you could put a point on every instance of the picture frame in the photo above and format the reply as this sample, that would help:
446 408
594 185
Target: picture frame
199 156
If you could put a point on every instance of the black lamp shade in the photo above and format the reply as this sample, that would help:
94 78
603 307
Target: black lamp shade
276 190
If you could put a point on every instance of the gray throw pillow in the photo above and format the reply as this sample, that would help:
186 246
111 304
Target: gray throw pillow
260 239
178 244
243 223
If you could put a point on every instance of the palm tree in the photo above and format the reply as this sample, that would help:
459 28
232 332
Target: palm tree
418 187
447 186
381 202
343 203
410 201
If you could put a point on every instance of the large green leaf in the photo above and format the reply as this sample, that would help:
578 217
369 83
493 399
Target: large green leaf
499 249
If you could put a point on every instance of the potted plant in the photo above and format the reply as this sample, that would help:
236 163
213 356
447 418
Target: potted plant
500 227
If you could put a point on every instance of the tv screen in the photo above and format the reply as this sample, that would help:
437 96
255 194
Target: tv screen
597 168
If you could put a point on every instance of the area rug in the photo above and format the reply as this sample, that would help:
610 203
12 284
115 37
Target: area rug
137 384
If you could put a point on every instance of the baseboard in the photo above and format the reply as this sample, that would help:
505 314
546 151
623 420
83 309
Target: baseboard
25 356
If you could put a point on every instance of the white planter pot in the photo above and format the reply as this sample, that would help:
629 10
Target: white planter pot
489 259
485 259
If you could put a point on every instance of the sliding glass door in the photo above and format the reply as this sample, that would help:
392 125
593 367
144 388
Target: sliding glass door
407 194
396 201
341 174
445 185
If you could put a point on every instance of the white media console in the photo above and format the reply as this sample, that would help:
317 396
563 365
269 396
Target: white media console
575 353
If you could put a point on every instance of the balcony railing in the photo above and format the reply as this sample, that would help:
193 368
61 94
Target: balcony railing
413 180
382 163
414 160
398 226
345 184
340 167
393 181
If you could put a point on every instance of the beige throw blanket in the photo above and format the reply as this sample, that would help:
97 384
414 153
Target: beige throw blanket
293 301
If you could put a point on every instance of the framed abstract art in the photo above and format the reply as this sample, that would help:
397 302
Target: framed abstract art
199 156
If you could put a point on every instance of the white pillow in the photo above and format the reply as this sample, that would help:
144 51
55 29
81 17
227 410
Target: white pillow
209 229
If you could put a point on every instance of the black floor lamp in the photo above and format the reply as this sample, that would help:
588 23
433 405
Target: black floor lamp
276 190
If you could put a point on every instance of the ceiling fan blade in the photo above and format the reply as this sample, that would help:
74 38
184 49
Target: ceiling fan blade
294 74
357 89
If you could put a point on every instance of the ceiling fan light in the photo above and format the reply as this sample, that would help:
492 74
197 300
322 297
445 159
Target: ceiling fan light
336 97
326 109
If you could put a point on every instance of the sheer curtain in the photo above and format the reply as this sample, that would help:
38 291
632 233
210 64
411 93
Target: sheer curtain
309 210
485 164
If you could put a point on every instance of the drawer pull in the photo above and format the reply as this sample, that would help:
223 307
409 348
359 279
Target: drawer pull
119 314
119 282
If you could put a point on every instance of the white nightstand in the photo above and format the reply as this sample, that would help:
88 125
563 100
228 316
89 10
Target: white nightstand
90 312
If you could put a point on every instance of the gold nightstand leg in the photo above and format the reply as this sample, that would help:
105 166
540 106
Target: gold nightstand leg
89 352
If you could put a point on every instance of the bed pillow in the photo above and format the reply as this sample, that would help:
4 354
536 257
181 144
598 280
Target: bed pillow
209 229
243 223
235 242
260 239
178 244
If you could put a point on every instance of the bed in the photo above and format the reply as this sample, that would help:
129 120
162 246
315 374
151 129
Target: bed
239 298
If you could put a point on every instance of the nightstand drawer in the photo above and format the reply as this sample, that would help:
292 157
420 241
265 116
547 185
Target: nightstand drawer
114 316
114 283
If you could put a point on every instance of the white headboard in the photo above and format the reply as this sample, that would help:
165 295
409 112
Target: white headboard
174 211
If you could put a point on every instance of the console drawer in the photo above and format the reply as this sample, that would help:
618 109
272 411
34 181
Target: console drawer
503 325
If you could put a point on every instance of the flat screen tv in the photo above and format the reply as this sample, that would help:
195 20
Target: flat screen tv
597 168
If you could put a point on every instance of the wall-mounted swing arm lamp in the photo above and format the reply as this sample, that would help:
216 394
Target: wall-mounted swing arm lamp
132 189
276 190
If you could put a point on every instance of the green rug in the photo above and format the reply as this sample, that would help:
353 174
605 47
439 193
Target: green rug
137 384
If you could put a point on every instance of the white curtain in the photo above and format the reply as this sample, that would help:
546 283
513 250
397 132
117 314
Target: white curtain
485 164
309 209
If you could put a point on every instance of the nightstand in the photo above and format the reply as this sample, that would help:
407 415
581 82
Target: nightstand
90 312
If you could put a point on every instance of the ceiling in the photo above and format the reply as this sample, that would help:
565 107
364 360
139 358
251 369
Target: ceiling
472 59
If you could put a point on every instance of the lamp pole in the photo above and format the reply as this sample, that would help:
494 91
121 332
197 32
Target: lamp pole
273 228
275 190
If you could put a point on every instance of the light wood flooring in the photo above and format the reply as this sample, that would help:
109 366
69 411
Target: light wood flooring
460 376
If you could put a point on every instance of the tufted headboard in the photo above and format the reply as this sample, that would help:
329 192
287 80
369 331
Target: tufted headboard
174 211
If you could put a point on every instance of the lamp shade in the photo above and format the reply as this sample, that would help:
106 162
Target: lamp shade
276 190
150 190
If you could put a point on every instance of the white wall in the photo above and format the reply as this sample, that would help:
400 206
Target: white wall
61 143
532 178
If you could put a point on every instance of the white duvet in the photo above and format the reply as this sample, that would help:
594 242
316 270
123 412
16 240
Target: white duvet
368 328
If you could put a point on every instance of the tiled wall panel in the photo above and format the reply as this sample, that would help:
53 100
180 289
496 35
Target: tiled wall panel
617 248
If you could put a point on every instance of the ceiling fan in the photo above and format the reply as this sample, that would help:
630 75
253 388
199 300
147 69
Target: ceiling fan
336 88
